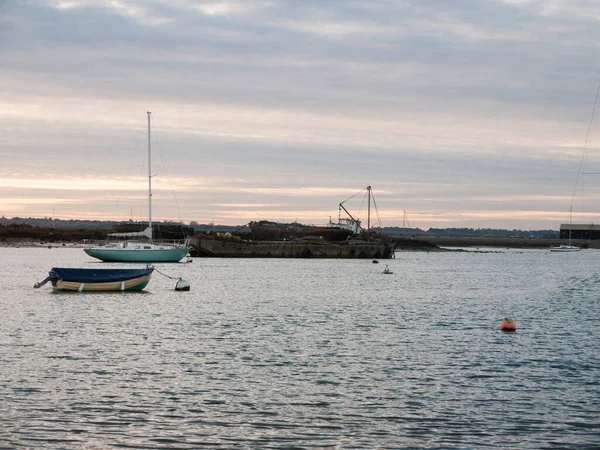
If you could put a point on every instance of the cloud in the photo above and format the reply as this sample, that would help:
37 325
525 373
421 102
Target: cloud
132 10
286 107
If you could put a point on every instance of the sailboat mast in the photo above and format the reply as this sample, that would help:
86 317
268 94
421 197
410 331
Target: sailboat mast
149 179
570 222
369 213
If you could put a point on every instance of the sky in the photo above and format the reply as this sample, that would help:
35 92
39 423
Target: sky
461 113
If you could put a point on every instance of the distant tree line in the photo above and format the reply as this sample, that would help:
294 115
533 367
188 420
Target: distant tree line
470 232
48 222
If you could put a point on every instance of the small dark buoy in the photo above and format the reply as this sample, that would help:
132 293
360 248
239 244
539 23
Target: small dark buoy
375 261
182 285
508 324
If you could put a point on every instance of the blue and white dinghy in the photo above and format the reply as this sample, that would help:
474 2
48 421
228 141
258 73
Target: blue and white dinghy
96 280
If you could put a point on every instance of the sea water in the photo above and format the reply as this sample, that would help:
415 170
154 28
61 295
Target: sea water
305 353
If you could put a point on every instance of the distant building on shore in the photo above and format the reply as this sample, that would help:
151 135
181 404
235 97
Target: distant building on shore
585 231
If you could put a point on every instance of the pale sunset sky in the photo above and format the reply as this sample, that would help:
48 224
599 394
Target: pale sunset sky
459 113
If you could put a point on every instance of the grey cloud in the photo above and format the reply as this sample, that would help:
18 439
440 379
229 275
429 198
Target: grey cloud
191 56
383 61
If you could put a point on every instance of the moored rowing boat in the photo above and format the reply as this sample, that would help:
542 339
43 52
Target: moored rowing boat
96 280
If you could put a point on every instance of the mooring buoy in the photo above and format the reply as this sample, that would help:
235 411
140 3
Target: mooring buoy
182 285
508 324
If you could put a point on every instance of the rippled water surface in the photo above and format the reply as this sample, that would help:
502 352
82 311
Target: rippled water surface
281 353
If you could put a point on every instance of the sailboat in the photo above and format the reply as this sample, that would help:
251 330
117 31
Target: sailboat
141 251
566 247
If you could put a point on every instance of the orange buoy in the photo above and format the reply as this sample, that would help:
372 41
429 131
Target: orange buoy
508 324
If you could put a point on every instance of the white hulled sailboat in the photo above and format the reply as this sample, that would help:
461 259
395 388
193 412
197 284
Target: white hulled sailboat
567 247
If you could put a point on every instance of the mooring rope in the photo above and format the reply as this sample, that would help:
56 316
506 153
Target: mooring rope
165 275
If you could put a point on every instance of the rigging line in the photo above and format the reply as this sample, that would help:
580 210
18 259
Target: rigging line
361 205
587 137
127 176
376 210
166 168
353 195
130 165
159 146
130 173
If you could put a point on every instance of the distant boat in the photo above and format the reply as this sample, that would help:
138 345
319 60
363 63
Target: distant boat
345 228
569 247
143 251
387 270
97 280
230 246
307 241
355 225
566 247
265 230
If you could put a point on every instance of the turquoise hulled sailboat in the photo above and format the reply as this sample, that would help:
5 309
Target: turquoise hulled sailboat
141 251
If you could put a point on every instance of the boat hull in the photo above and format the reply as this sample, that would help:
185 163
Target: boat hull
206 246
274 231
138 256
136 284
97 280
565 248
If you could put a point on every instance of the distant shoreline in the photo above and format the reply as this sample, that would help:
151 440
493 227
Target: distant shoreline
30 243
514 242
403 242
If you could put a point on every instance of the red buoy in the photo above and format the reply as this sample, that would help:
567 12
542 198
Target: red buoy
508 324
